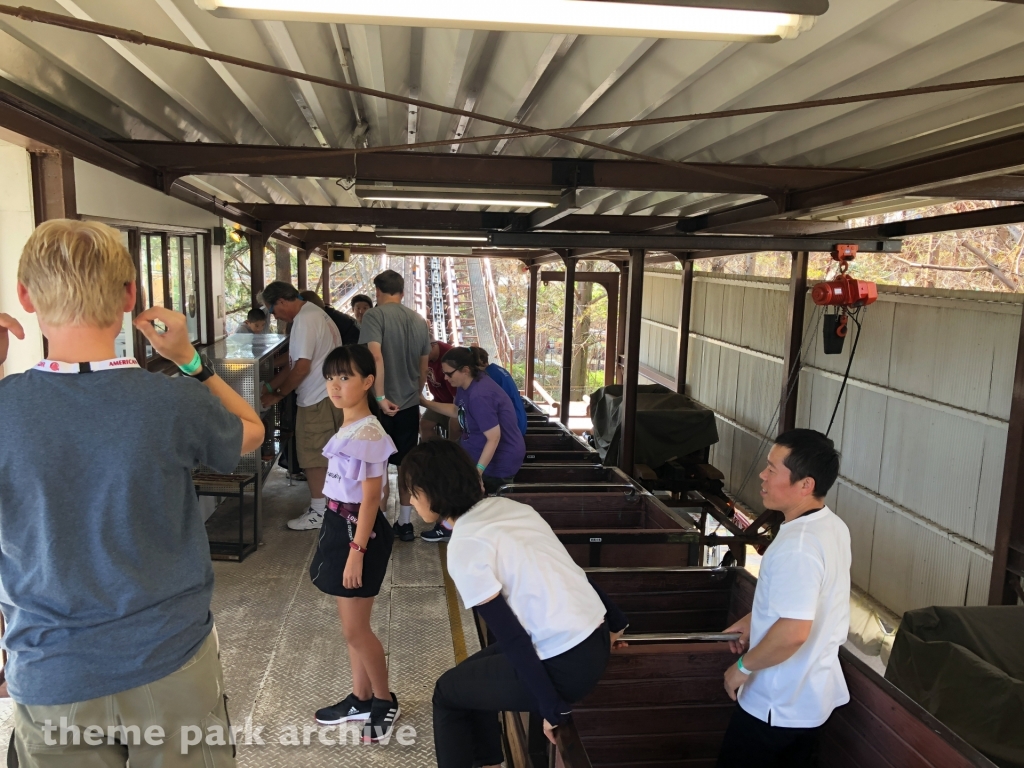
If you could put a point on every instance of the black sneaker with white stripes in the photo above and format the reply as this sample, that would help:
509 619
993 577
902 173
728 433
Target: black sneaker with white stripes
383 714
350 708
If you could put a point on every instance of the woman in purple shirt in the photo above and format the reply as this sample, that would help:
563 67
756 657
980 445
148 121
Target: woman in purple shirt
490 430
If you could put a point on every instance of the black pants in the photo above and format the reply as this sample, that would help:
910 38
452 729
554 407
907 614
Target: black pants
492 484
753 743
404 430
467 698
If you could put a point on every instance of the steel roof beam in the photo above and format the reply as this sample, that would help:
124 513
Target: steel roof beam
481 170
406 218
730 243
924 177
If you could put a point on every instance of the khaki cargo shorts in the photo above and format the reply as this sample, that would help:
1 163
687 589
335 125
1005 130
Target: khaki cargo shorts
188 707
314 427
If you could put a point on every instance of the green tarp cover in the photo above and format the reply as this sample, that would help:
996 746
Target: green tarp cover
966 667
668 425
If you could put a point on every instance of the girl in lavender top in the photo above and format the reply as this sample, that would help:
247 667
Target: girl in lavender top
355 541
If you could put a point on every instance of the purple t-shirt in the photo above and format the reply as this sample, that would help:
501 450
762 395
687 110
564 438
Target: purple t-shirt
483 406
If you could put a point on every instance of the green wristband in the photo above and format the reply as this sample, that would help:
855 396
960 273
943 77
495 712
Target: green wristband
192 368
481 467
380 398
744 670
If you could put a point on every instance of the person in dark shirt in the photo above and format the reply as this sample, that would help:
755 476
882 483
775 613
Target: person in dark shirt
361 304
347 325
442 391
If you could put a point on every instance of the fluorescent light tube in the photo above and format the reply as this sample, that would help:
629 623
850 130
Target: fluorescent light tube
427 250
446 238
457 199
586 17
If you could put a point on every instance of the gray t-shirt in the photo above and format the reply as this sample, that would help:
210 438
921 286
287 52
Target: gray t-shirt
404 339
105 573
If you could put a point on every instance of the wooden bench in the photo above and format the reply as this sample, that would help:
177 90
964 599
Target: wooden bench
554 441
661 703
610 529
562 476
584 456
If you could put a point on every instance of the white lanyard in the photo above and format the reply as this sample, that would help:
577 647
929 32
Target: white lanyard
55 366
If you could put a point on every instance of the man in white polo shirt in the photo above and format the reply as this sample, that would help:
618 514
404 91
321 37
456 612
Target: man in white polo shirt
789 681
312 338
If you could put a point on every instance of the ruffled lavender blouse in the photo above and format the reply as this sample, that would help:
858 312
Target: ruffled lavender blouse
358 452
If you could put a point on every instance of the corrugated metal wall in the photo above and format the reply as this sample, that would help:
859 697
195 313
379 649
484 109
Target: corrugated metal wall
922 425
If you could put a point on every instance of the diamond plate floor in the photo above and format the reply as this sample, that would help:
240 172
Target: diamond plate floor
284 656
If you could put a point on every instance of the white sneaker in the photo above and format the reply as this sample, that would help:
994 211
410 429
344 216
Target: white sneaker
307 521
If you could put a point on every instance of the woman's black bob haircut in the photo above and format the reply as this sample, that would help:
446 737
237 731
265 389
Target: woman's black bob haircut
443 472
353 359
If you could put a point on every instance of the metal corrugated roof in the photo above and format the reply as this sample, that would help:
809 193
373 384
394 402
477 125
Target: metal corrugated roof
551 80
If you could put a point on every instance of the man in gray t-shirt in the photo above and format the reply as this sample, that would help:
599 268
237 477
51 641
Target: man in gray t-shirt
399 341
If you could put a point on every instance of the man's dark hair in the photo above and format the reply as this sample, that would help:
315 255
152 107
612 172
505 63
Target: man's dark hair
812 455
256 316
443 472
279 291
389 282
361 297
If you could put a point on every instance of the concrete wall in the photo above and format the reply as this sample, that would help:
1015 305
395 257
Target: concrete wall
17 220
922 426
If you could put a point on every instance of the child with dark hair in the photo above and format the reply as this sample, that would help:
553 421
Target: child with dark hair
554 629
355 539
490 429
255 323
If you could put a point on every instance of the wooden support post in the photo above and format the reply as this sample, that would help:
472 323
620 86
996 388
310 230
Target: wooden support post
282 262
53 186
685 305
634 308
256 243
326 280
209 313
611 334
567 328
1006 587
300 263
620 341
794 341
531 330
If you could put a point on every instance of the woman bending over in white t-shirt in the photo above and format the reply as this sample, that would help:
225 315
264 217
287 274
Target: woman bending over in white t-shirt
554 628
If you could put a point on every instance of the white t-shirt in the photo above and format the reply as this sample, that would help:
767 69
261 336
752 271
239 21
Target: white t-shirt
313 337
503 546
805 574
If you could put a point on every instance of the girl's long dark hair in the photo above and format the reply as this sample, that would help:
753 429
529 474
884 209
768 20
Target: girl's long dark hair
354 359
466 357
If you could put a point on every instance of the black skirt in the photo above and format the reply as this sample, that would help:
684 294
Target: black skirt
328 567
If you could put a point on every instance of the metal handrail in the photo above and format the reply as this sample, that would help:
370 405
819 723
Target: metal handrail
627 489
682 637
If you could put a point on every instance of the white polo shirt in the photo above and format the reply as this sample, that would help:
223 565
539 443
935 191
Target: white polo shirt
805 574
503 546
313 337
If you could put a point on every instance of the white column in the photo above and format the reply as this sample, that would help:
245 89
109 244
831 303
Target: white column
16 224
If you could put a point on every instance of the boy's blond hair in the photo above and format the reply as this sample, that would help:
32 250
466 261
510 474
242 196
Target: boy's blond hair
76 272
